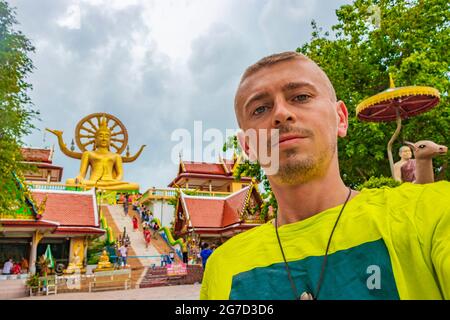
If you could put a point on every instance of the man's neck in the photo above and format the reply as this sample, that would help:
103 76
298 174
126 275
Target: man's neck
302 201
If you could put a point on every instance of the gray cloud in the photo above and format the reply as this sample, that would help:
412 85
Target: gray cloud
112 63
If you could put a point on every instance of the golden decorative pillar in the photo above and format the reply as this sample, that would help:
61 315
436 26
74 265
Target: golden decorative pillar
37 237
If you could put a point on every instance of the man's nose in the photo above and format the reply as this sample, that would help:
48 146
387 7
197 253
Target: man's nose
282 113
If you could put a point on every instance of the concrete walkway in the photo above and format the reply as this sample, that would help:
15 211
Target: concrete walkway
184 292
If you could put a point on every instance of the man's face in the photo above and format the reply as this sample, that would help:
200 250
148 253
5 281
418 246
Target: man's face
295 97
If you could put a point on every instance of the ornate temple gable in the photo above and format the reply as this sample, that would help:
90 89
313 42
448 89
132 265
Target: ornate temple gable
203 176
251 211
236 162
31 210
180 219
224 165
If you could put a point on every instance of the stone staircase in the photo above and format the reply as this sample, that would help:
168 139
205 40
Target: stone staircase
136 237
146 272
157 277
157 240
117 220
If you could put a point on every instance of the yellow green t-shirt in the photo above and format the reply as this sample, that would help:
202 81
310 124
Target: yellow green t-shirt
390 243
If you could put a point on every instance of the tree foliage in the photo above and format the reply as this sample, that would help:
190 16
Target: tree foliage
16 108
374 37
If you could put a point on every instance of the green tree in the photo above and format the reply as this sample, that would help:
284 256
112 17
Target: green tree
16 108
372 38
253 169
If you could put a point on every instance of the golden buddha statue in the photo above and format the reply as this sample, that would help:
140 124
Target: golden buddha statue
105 166
104 263
76 261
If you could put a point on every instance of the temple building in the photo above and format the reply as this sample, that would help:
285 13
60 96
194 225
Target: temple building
212 205
209 176
42 159
215 219
65 220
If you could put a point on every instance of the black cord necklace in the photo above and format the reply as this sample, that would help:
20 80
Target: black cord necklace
307 295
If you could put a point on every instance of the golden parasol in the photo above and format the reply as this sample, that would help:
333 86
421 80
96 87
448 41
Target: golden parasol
395 104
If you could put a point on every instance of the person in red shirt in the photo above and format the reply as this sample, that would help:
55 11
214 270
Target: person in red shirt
147 237
135 223
16 269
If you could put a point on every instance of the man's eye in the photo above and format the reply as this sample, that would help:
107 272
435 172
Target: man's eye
302 98
259 110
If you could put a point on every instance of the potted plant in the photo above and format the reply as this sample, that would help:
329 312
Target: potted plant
33 283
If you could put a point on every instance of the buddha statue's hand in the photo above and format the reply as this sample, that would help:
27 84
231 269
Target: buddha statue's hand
57 133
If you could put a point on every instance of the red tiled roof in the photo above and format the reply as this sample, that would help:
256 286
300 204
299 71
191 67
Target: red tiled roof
68 208
44 165
205 212
206 171
205 168
233 207
36 155
29 223
66 212
77 230
208 212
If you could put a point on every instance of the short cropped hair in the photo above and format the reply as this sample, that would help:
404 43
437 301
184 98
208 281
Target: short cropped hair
271 60
277 58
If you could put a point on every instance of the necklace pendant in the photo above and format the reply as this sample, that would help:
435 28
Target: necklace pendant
306 296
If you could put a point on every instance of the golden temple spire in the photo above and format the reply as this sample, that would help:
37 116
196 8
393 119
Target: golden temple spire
391 81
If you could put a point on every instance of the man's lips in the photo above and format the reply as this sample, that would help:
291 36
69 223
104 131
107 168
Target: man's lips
288 139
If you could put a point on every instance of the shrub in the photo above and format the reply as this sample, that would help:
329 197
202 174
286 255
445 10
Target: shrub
379 182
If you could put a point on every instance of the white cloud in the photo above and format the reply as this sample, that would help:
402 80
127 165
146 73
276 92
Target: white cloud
176 23
71 18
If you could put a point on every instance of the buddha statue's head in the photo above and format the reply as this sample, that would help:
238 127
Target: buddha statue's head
103 135
405 153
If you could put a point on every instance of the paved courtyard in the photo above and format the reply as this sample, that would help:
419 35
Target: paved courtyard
184 292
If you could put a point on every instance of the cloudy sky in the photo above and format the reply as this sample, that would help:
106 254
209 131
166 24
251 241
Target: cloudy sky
157 65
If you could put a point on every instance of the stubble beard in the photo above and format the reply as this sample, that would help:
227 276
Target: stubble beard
299 171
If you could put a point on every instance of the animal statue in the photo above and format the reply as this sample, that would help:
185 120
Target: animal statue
424 152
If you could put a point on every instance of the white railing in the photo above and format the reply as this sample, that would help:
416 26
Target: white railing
55 186
155 193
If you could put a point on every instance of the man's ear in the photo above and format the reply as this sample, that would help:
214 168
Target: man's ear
342 113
